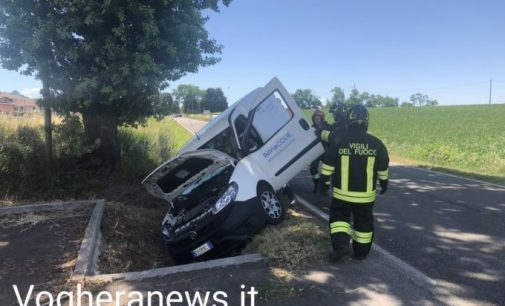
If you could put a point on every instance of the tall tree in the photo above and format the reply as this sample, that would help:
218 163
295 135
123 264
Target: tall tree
305 99
214 100
389 102
105 59
190 97
418 99
354 98
165 105
422 100
338 95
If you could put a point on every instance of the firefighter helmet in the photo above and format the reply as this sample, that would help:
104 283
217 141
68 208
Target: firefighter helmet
338 110
358 114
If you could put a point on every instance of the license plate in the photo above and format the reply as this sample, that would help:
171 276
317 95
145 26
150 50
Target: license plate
204 248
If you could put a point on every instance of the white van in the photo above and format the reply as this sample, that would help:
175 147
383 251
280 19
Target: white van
222 186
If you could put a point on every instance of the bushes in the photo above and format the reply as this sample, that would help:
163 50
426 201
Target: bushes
24 171
22 160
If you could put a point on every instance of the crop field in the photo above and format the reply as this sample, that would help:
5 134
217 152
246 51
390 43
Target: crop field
469 139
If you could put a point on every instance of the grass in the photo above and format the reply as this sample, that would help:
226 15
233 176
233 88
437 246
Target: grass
23 171
468 140
300 241
202 117
146 147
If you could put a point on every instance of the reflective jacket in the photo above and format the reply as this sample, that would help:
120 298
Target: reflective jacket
356 163
332 134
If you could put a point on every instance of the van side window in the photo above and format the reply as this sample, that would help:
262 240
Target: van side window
271 115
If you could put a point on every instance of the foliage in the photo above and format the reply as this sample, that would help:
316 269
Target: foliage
214 100
115 53
422 100
23 168
338 95
305 99
190 97
354 98
165 105
106 59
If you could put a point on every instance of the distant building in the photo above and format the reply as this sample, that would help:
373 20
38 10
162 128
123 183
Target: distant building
16 105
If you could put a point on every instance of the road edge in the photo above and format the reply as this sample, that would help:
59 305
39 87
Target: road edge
410 272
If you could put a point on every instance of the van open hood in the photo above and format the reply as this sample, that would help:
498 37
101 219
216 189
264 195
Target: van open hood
172 177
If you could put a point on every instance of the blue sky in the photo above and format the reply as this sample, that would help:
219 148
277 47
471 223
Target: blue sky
446 49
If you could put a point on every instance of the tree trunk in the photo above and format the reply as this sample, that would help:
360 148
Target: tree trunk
48 129
101 133
48 136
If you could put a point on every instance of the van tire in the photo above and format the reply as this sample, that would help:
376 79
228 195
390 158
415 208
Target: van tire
272 206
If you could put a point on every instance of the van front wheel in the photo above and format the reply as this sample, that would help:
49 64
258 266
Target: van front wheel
271 204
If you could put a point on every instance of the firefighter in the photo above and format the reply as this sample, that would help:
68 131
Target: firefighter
320 125
337 131
356 163
329 135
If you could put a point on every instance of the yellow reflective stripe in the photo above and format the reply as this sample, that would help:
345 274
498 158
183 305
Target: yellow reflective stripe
340 223
383 175
362 237
325 135
354 196
369 174
362 240
340 227
325 172
327 169
344 176
317 176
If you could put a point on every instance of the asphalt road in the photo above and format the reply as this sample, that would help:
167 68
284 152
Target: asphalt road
192 125
450 228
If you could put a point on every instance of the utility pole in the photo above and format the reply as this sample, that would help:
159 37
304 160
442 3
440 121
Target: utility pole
490 90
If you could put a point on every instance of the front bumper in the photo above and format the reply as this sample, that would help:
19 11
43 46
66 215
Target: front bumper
230 228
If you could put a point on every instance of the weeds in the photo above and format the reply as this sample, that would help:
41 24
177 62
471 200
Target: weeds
24 172
299 242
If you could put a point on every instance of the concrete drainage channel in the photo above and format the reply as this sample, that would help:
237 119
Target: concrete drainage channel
87 260
86 267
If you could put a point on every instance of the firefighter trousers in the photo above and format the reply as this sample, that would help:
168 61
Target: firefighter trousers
314 168
361 230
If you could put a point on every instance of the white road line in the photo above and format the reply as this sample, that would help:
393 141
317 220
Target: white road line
450 175
412 273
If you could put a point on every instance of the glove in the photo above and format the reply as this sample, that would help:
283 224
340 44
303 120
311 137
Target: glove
384 186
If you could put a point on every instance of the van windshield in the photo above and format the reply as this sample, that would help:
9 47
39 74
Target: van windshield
221 142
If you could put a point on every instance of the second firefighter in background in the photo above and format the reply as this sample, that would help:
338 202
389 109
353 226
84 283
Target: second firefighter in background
356 163
329 135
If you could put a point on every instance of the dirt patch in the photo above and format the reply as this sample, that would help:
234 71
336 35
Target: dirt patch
131 228
39 249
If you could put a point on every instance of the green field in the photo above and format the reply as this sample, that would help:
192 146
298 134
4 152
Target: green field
468 139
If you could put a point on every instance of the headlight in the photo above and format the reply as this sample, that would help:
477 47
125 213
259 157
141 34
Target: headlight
226 198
